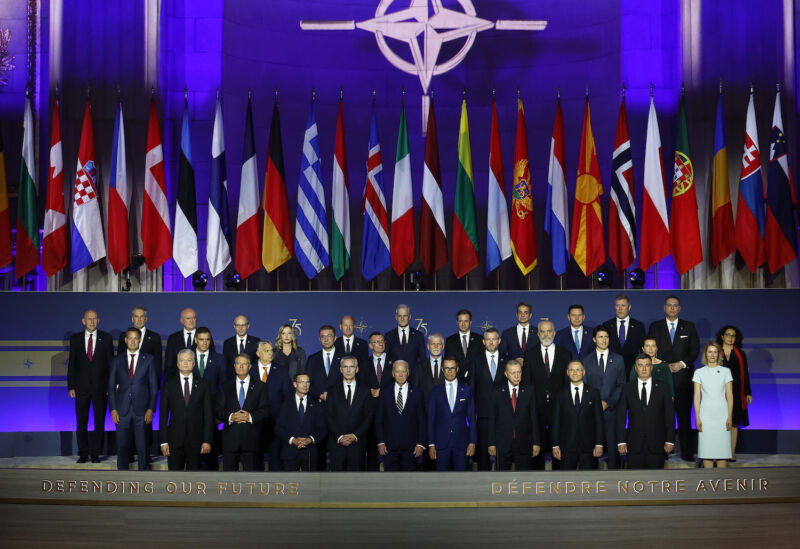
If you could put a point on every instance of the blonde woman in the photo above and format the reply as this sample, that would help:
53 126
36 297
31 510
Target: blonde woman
713 408
287 352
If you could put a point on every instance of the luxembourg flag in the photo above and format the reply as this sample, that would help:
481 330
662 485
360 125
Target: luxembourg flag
750 211
119 241
555 221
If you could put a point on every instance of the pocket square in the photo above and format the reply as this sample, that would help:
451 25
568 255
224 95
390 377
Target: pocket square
684 336
462 399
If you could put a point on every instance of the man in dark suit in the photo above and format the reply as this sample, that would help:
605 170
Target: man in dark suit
349 411
349 344
516 341
647 407
626 334
90 354
576 338
485 373
279 388
463 343
241 342
182 339
400 422
605 371
377 375
404 342
187 417
679 345
545 369
452 432
577 432
428 373
132 397
301 427
513 427
323 366
211 367
243 404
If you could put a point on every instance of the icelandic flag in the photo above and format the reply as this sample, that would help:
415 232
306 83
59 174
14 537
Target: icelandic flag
750 214
218 235
375 257
119 241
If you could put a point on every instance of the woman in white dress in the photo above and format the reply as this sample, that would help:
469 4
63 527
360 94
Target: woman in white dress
713 408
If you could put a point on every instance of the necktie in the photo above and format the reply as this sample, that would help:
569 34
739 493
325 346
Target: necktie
349 395
90 347
202 364
547 359
450 396
265 375
602 362
621 333
644 394
301 411
464 345
130 370
577 401
241 394
186 390
327 363
524 343
188 340
577 341
347 346
400 400
671 332
493 368
380 371
241 346
514 399
436 371
403 340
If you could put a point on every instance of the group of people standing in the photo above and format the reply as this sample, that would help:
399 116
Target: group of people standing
496 399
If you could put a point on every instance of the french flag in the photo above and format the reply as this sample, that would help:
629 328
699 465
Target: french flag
119 242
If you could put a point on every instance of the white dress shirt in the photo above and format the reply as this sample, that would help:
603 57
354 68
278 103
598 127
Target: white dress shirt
352 386
297 399
648 386
527 334
135 355
86 334
551 353
262 368
603 354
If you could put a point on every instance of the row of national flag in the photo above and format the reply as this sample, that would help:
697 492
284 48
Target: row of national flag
763 233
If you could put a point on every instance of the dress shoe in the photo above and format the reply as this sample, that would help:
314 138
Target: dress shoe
82 459
95 459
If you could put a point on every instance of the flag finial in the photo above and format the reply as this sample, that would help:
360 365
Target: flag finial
558 93
88 90
119 91
56 90
464 93
623 91
751 88
276 94
152 91
493 92
404 92
720 85
249 93
313 94
341 93
587 92
373 95
777 86
186 93
683 89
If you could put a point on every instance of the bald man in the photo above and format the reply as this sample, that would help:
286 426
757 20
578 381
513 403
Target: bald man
240 342
350 344
182 339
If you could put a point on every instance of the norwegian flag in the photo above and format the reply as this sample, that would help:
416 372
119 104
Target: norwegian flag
622 210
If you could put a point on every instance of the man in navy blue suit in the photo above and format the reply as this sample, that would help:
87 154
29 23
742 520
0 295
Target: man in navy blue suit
323 366
404 342
211 367
301 427
577 429
452 429
241 342
576 338
605 371
279 388
349 412
400 422
485 373
515 341
132 395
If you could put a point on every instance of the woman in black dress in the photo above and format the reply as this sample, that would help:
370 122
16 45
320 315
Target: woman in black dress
730 337
288 353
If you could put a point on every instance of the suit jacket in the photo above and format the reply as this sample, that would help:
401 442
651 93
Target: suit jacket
686 346
400 432
565 340
242 437
509 342
86 376
344 418
135 395
214 372
648 427
414 351
454 429
230 348
609 383
279 387
634 339
186 425
289 425
151 344
369 377
320 381
452 347
513 432
482 384
577 432
423 378
359 349
176 342
546 385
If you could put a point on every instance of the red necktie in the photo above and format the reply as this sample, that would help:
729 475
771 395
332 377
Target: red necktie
547 361
524 339
514 399
380 371
130 370
90 347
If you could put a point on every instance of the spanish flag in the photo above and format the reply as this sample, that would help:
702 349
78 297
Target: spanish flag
277 244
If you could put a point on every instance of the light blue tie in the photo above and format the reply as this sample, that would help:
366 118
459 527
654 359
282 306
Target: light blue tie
451 397
577 341
493 368
327 363
672 332
241 394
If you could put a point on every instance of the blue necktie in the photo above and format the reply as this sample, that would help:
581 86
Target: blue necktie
451 397
621 333
493 368
672 332
577 341
327 363
241 394
301 412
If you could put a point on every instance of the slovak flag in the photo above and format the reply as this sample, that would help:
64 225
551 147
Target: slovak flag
750 212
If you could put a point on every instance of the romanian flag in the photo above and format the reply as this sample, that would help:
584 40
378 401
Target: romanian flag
5 221
523 229
277 245
722 232
588 247
465 223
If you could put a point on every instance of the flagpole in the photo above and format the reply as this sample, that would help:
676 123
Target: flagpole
561 281
655 275
466 282
624 279
498 279
435 281
277 279
528 277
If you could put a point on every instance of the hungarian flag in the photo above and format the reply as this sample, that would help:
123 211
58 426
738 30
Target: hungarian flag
5 218
588 247
184 242
523 228
750 214
402 238
465 223
340 203
119 239
27 207
432 232
557 212
277 246
654 243
156 234
622 209
780 241
248 221
722 231
684 226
